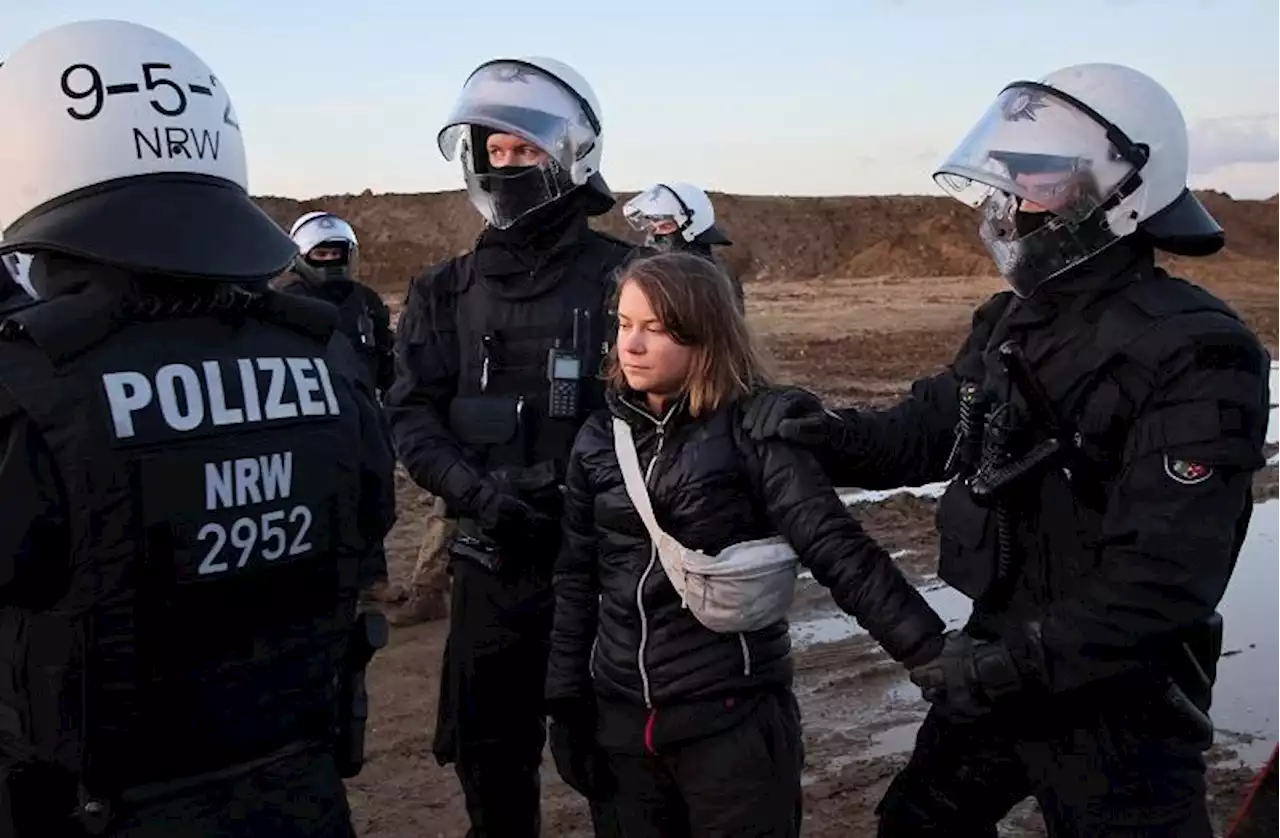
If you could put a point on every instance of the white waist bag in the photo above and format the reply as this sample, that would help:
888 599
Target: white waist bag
744 587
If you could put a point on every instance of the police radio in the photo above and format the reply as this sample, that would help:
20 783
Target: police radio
564 372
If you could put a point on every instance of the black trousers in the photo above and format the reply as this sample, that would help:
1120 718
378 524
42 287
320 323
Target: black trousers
743 782
490 721
1117 770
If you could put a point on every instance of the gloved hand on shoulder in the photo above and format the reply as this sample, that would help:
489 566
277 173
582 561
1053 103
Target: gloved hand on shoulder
798 416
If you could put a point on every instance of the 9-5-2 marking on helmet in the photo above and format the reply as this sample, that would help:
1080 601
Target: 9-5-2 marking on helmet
111 125
82 81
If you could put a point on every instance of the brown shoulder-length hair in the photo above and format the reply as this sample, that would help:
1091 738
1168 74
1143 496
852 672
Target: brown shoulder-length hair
696 303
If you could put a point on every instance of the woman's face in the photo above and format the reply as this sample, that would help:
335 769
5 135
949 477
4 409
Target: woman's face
652 362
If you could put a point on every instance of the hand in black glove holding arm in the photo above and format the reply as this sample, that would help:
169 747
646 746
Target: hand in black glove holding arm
965 677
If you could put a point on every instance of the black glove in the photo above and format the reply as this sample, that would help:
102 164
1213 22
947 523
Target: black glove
767 410
514 524
967 676
798 417
578 758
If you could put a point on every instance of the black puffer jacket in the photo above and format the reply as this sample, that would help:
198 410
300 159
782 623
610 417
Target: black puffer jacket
710 487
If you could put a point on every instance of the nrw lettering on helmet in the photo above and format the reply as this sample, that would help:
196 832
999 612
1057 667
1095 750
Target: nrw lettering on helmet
84 85
127 101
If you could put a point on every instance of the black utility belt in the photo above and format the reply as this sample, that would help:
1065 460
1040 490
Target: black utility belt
96 814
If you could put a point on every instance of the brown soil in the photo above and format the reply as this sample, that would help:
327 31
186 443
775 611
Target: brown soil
854 297
776 238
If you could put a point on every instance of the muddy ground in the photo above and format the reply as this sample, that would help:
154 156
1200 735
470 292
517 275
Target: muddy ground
859 711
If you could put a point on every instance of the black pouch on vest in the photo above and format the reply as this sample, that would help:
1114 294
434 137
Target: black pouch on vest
967 551
494 424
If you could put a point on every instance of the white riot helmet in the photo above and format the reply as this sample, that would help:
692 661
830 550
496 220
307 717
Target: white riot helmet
121 147
544 102
1065 167
317 232
668 213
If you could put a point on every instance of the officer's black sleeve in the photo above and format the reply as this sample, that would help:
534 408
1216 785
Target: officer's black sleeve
1176 516
863 580
376 508
909 444
33 513
904 445
384 341
577 586
377 488
417 405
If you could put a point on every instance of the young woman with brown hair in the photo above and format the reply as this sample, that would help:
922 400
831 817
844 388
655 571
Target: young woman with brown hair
685 730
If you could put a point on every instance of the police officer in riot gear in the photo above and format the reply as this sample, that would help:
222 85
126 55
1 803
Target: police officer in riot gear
1100 428
680 216
193 473
325 269
497 356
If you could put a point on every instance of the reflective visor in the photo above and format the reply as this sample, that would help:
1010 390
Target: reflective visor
515 98
1040 148
657 210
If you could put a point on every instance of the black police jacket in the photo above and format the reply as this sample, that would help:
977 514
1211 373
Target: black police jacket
1123 545
620 630
189 498
363 317
471 393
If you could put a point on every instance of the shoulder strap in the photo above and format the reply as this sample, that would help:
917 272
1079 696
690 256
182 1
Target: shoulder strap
625 447
669 549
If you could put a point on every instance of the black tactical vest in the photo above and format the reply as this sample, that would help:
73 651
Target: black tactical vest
209 465
355 318
1097 365
500 413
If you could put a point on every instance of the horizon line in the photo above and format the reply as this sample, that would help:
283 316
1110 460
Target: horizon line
370 193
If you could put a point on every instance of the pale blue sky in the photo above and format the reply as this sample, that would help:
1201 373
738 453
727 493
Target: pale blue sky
801 97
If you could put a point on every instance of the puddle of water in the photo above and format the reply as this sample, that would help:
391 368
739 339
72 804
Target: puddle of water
1245 698
1248 688
950 604
895 740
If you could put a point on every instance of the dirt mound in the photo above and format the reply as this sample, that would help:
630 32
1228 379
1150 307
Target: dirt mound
775 237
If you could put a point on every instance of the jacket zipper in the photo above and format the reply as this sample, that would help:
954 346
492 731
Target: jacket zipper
746 654
653 550
644 577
